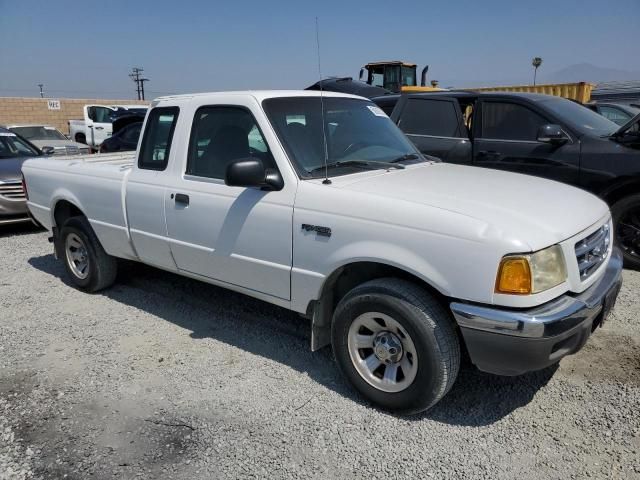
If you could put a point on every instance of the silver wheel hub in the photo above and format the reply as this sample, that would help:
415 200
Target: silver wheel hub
76 255
382 352
387 346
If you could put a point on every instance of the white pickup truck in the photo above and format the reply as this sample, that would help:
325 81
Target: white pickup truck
97 124
322 206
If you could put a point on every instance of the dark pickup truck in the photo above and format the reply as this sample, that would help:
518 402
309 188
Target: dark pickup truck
534 134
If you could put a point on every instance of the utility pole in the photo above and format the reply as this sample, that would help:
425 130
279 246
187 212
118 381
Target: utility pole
536 62
41 85
136 76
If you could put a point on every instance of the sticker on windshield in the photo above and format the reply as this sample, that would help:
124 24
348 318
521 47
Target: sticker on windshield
377 111
7 134
49 128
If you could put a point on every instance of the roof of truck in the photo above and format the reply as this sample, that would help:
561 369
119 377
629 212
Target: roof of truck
470 93
259 94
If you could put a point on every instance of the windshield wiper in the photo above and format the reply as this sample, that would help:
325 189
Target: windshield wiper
357 163
408 156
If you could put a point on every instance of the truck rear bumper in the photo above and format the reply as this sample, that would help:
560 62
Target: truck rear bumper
512 342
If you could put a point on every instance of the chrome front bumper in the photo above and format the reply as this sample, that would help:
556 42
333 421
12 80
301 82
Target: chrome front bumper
511 342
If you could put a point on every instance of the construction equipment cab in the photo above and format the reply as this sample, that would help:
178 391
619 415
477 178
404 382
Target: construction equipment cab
396 76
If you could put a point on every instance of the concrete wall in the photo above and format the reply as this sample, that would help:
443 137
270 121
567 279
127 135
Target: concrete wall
14 110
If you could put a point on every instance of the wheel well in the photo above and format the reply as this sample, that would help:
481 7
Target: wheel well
80 138
618 192
65 210
340 282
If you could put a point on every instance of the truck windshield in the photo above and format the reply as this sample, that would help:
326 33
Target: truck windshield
580 117
39 133
358 133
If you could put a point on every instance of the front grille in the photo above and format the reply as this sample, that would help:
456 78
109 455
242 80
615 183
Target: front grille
592 251
12 190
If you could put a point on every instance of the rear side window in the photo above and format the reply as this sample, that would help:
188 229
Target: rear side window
510 121
437 118
158 134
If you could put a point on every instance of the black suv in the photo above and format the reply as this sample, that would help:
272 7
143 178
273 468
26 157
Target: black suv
534 134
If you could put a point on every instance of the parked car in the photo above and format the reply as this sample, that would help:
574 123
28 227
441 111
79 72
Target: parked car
535 134
616 112
124 139
96 126
322 206
50 140
14 150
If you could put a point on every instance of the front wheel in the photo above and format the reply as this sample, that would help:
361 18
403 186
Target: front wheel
626 222
89 266
396 344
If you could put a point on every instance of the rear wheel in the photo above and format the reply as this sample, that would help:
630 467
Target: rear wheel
89 266
80 138
396 344
626 220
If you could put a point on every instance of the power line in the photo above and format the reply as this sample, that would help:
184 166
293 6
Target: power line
136 76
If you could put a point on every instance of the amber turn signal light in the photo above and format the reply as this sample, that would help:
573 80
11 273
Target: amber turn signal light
514 276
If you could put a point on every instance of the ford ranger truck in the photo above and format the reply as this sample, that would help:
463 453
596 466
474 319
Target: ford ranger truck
321 205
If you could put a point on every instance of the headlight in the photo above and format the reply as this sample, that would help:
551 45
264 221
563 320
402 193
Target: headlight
531 273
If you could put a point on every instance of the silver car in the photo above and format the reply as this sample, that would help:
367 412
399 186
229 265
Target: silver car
14 150
50 140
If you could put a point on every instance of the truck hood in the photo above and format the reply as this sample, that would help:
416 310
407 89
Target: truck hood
525 209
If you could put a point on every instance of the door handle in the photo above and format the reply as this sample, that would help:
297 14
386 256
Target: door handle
488 154
99 128
181 198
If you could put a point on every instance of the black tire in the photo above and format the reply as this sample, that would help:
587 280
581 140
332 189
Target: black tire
429 326
101 267
626 224
80 138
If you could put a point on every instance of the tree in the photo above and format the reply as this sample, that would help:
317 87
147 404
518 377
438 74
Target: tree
536 62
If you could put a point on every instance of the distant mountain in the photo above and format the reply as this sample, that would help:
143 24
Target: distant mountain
585 72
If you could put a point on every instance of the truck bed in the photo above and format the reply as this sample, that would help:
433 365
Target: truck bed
95 182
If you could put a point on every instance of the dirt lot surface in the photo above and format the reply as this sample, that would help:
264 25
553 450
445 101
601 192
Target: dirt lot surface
165 377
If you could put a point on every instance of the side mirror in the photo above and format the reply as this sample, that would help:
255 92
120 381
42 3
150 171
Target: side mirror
250 172
552 133
47 150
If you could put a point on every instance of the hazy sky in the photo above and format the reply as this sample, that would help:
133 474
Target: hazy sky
86 49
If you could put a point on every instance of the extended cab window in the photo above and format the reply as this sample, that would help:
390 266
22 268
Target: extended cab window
436 118
510 121
221 135
156 143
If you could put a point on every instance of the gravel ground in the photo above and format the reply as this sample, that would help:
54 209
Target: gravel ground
164 377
